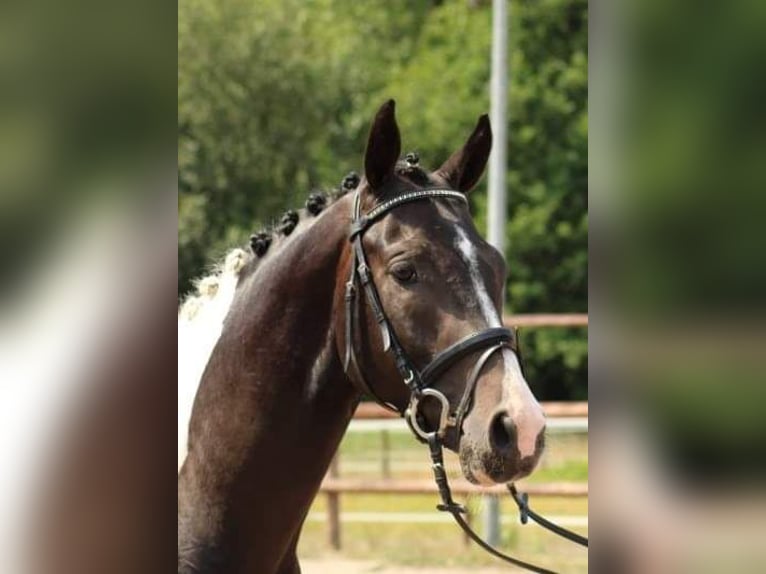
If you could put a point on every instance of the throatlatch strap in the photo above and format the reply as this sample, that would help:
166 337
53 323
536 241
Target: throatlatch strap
350 300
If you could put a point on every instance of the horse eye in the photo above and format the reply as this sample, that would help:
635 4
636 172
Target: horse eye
404 272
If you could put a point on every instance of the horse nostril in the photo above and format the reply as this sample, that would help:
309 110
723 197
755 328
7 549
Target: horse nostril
502 432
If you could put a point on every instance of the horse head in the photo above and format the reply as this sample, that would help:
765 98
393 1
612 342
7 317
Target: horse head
438 285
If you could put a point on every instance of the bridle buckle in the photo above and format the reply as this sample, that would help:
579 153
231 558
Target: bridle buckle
350 291
409 378
364 273
445 420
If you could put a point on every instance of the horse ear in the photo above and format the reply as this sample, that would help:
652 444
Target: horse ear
383 146
464 167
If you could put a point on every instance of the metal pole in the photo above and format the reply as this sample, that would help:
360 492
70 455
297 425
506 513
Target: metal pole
496 204
496 211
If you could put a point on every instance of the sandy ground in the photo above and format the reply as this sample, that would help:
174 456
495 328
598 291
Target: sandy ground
343 566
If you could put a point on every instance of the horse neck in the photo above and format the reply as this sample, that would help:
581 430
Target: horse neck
271 408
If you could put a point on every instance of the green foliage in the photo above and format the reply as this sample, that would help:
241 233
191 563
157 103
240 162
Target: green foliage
548 182
275 98
269 106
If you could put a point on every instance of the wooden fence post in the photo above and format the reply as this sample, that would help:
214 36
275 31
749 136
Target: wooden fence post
385 462
333 508
468 519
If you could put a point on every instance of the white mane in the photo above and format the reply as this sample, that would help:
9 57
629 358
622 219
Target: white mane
201 316
200 320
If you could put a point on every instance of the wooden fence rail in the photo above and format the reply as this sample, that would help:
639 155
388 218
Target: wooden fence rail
373 411
461 486
334 486
546 320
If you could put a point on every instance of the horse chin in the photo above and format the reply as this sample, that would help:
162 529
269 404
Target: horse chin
486 468
473 468
477 477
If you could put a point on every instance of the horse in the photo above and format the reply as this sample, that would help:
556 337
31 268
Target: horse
295 348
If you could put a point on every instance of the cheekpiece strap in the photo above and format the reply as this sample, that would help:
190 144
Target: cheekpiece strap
360 272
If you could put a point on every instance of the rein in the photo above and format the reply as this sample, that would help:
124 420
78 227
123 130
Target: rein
420 382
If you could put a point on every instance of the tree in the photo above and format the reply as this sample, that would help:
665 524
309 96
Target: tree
275 99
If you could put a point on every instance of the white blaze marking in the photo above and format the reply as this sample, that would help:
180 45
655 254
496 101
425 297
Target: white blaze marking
517 398
522 404
468 251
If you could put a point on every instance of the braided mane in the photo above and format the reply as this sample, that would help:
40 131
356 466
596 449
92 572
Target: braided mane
267 241
202 313
262 244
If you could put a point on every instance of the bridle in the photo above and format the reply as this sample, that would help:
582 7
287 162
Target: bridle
421 382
